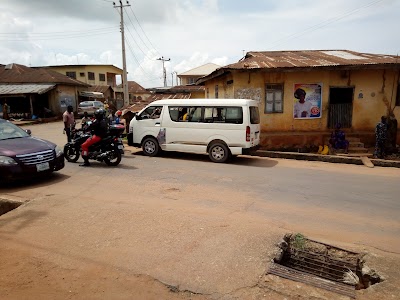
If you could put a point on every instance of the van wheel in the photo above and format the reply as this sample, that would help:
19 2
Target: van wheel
218 153
150 146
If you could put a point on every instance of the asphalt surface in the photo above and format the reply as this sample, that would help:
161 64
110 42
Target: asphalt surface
187 222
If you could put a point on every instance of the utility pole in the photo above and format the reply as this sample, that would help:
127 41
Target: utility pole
164 71
172 74
125 76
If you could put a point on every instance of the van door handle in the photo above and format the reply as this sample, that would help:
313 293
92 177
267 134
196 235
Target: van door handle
158 124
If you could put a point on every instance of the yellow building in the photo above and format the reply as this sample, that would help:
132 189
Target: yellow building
189 77
346 87
91 74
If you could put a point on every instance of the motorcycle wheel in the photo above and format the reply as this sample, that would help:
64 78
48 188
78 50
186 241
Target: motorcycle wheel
71 153
114 158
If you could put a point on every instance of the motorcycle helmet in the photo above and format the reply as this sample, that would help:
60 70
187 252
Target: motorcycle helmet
99 114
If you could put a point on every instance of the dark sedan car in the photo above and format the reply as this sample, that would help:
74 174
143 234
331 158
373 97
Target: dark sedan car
22 155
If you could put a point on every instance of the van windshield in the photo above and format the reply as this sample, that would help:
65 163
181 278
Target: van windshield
254 115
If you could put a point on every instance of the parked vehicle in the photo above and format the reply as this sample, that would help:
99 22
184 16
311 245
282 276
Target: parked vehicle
220 128
22 155
109 149
90 107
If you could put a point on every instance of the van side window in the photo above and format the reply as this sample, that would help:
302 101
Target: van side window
232 115
254 115
185 113
152 112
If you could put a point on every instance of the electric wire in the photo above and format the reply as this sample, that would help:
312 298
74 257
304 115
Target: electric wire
151 44
147 75
322 24
136 31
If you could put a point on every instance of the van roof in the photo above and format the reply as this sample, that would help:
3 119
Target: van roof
205 101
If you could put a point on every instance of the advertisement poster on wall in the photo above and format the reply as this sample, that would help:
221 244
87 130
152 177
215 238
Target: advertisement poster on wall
307 102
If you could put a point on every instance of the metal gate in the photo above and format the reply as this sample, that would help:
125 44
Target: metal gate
340 114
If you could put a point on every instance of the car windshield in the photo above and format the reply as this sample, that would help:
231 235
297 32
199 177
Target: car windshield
10 131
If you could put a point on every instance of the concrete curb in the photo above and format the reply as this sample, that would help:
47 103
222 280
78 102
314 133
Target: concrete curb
326 158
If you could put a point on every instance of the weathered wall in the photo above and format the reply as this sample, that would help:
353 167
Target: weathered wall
198 95
62 94
376 87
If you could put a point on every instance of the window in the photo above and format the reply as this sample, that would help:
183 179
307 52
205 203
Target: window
232 115
102 77
254 115
82 74
398 95
216 91
208 93
90 75
71 74
191 80
185 113
274 98
152 112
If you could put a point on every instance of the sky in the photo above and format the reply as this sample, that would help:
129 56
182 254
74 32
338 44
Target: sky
190 33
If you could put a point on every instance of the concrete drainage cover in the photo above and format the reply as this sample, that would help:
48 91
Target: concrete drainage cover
317 264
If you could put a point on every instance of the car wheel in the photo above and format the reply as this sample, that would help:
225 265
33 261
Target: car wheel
218 153
150 146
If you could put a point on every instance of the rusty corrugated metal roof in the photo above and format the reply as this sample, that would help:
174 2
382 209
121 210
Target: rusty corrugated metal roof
290 60
134 87
15 73
155 97
310 58
17 89
187 88
99 88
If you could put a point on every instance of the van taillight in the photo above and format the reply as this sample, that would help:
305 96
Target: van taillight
247 133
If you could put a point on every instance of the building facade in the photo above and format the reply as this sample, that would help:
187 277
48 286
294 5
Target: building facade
339 87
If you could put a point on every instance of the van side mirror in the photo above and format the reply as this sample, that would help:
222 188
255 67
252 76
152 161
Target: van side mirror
28 131
138 117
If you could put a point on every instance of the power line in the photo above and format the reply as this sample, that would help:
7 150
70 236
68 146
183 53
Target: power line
137 32
151 44
322 24
72 36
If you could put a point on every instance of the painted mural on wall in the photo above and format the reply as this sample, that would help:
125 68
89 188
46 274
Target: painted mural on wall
307 102
249 93
65 101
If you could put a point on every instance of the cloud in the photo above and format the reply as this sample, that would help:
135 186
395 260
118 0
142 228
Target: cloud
190 32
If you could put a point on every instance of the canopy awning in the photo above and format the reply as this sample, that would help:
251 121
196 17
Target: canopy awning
18 89
91 94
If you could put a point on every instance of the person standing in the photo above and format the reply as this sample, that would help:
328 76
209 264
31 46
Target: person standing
69 121
380 138
5 110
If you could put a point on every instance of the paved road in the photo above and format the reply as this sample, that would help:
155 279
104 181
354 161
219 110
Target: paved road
210 227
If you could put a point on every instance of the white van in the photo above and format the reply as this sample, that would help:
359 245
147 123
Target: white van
219 127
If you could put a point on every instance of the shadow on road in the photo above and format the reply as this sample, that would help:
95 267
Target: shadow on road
38 181
253 161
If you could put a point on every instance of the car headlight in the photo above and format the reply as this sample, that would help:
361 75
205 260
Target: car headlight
59 151
5 160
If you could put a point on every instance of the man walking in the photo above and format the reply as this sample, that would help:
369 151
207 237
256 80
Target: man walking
69 121
380 136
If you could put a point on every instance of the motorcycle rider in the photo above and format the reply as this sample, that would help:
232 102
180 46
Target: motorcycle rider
99 127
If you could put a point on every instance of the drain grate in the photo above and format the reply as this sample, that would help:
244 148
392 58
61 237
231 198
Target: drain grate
288 273
316 263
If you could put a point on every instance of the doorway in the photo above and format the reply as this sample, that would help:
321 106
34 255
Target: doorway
340 106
